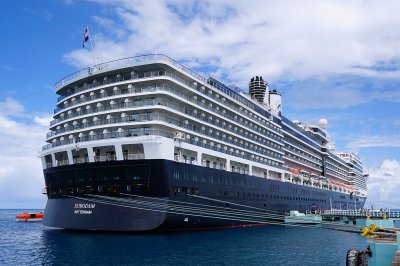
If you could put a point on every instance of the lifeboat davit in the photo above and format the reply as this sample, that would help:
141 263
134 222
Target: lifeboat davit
30 217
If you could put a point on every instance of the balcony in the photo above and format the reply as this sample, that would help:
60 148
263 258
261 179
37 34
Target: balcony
105 158
134 156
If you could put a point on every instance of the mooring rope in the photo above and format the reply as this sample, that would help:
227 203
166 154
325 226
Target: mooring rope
209 211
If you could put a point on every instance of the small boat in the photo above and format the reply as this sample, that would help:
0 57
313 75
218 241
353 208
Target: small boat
29 217
296 217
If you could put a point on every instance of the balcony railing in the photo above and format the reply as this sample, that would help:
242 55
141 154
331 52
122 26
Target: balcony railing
105 158
106 136
133 156
81 160
126 62
62 162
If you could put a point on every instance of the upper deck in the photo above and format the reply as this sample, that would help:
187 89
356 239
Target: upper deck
122 63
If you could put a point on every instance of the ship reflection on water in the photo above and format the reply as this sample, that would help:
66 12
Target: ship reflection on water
269 245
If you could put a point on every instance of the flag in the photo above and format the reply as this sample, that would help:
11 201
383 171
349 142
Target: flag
85 36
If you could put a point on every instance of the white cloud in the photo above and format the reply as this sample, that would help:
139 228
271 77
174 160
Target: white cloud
110 26
43 121
282 39
384 185
374 141
289 41
21 178
11 107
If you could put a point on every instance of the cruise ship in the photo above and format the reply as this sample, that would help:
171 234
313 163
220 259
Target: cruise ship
145 143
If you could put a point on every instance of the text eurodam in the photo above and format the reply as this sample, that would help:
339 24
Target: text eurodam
84 206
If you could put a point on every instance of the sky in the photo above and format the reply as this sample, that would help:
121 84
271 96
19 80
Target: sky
338 60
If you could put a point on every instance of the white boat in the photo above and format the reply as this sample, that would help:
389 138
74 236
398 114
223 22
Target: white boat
296 217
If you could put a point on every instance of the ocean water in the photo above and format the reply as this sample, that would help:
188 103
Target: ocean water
35 244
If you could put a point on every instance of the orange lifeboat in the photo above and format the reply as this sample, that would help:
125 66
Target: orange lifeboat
295 171
30 217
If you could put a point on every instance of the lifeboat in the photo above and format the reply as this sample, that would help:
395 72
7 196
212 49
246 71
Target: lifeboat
340 184
29 217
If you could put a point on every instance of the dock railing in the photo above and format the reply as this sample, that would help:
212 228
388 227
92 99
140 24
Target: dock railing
362 213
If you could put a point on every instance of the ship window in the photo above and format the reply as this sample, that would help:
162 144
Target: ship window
203 177
176 174
186 175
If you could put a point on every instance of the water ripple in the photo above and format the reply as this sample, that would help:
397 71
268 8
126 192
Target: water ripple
35 244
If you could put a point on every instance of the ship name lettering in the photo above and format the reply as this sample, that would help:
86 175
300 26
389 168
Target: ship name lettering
82 212
85 205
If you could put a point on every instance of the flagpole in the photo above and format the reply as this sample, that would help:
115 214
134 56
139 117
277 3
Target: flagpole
93 54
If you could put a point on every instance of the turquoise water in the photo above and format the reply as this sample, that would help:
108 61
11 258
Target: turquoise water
35 244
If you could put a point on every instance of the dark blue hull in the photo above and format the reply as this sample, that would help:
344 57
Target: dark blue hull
143 195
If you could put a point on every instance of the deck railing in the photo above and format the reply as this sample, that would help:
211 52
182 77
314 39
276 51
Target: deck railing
126 62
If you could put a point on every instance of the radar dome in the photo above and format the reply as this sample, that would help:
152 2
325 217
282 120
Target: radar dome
323 123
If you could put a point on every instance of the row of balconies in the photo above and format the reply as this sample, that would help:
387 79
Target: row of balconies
103 106
220 100
335 175
142 103
302 159
156 117
179 123
210 146
302 154
302 147
197 102
97 158
106 81
302 162
236 153
94 96
337 169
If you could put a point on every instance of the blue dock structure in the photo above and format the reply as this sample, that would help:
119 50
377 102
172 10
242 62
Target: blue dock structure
383 245
385 249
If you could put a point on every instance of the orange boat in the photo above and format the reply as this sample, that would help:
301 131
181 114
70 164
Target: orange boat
30 217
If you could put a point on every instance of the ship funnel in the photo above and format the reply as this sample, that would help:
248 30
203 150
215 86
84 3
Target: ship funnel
258 89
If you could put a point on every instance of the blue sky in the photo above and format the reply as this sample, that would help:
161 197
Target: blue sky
331 59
